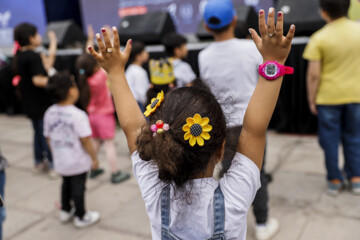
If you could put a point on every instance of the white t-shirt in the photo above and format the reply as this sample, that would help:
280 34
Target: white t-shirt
230 69
196 221
138 81
183 72
64 126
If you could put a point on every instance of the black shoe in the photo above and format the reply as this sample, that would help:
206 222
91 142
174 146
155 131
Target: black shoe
95 173
119 177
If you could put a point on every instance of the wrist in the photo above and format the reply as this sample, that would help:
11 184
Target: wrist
282 61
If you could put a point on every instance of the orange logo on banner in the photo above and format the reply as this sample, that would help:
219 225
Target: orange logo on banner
123 12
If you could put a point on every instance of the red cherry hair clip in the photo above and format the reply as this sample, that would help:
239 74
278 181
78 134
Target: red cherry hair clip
159 127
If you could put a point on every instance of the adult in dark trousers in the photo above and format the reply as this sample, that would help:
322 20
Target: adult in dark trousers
232 79
34 69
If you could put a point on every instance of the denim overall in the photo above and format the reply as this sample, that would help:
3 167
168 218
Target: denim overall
219 215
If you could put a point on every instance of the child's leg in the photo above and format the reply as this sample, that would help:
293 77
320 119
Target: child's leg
66 194
97 144
78 193
110 152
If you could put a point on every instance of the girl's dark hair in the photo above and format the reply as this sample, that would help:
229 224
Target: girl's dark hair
23 32
335 8
177 161
137 48
85 67
59 85
173 41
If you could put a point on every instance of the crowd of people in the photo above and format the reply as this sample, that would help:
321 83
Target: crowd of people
197 145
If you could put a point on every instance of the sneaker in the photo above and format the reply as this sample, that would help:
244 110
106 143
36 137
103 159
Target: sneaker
89 219
355 187
95 173
334 187
52 174
66 216
40 168
119 177
267 231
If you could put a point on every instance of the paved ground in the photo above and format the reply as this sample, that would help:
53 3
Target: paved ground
297 195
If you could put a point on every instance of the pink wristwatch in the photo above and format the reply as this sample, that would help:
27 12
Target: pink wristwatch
271 70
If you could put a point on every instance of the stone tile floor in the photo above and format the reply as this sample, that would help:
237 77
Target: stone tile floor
297 194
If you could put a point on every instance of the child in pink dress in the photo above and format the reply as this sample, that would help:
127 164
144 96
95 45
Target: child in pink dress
97 100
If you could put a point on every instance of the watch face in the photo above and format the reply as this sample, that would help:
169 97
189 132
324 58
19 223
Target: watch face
271 70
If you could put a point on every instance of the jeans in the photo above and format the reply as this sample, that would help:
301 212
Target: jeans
41 148
260 204
2 209
340 124
73 189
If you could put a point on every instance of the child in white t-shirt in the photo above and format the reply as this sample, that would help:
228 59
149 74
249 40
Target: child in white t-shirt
68 132
174 155
175 46
136 75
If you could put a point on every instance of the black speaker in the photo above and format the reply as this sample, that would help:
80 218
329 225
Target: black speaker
247 18
148 28
68 34
304 14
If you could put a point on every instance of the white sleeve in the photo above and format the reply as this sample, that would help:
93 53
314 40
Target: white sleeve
82 126
46 124
146 174
241 182
142 86
187 73
201 67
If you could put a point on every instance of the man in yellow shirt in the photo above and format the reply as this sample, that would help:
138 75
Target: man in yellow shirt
333 82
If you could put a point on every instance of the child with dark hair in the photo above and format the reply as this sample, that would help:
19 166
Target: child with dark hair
96 98
175 46
68 132
34 71
136 75
232 79
174 155
333 85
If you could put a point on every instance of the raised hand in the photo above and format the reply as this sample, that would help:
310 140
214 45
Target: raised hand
272 44
52 37
110 57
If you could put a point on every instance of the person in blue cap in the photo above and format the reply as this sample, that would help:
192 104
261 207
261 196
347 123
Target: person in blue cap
229 66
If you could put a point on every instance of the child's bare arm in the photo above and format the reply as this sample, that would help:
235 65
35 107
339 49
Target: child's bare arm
130 117
263 101
87 144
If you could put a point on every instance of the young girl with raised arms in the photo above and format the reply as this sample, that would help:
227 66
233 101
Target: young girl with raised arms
174 155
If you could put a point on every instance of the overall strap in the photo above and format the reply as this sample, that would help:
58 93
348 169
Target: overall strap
165 207
219 212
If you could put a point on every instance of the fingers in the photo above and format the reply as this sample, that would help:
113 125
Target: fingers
271 21
100 43
127 49
106 36
290 35
96 55
279 25
116 38
262 23
256 38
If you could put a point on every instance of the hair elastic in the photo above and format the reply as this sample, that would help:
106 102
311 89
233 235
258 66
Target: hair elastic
159 127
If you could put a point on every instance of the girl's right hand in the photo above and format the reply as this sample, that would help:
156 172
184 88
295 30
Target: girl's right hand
110 57
272 44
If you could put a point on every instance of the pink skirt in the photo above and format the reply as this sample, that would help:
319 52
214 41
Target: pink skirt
102 126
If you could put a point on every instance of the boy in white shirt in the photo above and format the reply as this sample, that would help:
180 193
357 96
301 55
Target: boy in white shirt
175 46
136 75
229 66
68 132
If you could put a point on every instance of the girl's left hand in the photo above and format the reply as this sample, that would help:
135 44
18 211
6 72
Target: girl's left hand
110 57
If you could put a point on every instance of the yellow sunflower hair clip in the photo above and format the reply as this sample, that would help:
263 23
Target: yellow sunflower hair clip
196 130
154 104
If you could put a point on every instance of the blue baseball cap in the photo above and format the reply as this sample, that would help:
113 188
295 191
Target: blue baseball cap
223 10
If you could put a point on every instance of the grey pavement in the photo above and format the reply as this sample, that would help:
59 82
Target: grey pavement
297 194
